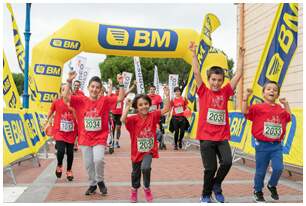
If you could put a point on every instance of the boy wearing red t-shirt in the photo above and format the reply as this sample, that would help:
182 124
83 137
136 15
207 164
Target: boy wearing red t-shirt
213 126
268 128
144 147
64 132
92 115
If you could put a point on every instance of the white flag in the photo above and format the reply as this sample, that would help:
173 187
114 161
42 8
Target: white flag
173 82
127 78
138 74
156 79
78 64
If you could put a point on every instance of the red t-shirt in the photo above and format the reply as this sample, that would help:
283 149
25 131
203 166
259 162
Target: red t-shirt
118 106
179 106
78 92
64 125
143 135
213 121
269 121
156 101
92 117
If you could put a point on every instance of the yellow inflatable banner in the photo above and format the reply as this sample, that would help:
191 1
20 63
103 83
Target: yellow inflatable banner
10 93
279 50
293 141
49 56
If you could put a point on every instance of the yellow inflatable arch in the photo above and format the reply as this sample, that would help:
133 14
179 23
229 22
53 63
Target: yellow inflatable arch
49 56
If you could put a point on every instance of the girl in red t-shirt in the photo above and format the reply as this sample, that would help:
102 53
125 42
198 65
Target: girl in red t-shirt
142 129
92 115
178 121
268 128
64 132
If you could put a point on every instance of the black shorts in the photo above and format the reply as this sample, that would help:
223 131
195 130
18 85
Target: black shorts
116 118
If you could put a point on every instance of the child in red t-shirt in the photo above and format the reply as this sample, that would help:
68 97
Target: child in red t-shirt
64 132
92 116
268 128
178 121
144 147
213 125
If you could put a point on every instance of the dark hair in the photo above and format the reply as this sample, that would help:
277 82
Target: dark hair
271 82
77 81
152 85
215 70
95 79
141 96
177 89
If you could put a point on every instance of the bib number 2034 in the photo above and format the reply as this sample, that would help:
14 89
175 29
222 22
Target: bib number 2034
92 123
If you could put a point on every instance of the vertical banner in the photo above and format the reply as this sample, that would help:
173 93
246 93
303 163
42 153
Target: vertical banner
173 82
138 74
279 50
127 78
10 93
211 23
156 79
79 65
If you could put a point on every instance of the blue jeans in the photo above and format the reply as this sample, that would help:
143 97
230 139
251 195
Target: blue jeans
264 153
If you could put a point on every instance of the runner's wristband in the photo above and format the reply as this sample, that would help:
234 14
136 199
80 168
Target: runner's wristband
121 85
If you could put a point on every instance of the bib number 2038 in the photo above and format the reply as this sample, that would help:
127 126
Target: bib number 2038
145 144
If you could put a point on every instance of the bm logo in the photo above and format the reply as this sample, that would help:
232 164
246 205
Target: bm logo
65 44
50 70
139 39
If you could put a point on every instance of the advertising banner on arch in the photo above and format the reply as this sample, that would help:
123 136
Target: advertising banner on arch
292 143
279 50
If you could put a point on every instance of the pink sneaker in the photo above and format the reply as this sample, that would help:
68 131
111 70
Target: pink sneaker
133 197
148 194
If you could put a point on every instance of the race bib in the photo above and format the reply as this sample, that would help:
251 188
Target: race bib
153 108
216 117
272 130
66 126
93 123
178 110
118 105
145 144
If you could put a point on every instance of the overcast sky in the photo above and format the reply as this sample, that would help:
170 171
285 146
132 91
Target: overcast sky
47 18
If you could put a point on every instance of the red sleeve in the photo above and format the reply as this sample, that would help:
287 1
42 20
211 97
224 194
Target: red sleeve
250 115
111 101
171 103
77 101
288 117
157 115
160 99
129 122
228 90
201 90
185 102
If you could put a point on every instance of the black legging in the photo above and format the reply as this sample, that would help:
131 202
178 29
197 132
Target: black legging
179 129
61 146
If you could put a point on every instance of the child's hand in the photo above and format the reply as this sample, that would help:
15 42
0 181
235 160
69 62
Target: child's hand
110 82
283 101
128 102
249 92
192 47
71 76
120 78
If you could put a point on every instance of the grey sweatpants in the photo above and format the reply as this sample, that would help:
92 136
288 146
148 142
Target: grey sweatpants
93 157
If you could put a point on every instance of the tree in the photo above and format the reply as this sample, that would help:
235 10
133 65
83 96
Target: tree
19 79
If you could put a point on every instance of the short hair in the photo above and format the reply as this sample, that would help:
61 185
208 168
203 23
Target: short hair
177 89
152 85
215 70
271 82
95 79
78 81
141 96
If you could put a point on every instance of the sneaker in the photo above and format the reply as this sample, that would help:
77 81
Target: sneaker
91 190
258 196
69 175
102 188
133 197
175 147
274 193
59 171
148 194
117 145
180 145
205 199
218 196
